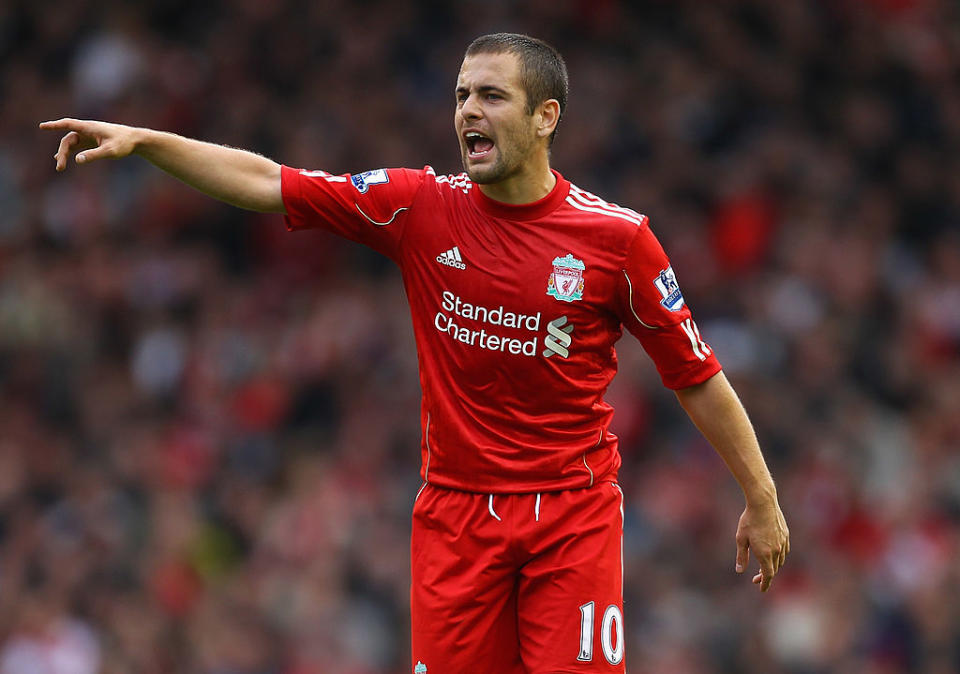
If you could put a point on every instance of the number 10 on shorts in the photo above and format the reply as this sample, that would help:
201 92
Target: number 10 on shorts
611 633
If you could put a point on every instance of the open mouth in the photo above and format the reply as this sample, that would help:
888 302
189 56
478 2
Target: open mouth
478 145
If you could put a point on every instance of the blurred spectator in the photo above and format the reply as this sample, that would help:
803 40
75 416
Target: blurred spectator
210 425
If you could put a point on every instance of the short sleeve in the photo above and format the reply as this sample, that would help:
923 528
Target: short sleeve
651 307
369 208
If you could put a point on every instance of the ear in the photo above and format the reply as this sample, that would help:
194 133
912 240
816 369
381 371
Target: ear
548 116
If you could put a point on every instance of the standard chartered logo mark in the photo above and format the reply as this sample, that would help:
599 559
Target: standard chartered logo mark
558 338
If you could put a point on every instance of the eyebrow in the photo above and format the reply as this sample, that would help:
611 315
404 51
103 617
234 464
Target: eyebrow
485 89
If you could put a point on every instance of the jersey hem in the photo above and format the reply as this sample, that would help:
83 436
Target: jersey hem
546 486
515 492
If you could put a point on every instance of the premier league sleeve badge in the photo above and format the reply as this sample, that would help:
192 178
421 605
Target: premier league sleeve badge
666 283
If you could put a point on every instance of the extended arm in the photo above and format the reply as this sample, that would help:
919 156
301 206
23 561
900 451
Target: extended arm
235 176
715 409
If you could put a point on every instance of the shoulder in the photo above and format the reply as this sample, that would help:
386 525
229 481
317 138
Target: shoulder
611 227
448 184
606 214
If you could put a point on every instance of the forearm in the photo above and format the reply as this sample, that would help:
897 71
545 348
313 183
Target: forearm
235 176
762 531
715 409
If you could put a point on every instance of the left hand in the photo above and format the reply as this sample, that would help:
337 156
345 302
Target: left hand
763 531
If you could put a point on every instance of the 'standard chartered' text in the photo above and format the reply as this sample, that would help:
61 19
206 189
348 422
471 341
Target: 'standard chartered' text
456 308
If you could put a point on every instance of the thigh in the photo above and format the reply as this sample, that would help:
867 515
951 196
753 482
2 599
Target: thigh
463 597
570 595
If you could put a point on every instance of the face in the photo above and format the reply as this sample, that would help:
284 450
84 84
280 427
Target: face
496 134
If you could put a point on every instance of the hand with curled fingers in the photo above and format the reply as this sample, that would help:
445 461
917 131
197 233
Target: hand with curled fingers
91 140
763 531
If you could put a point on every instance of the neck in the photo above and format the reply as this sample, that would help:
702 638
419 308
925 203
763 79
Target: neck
532 183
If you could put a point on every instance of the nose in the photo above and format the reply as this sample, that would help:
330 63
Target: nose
470 109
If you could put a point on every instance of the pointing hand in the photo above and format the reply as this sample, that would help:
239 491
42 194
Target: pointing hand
90 140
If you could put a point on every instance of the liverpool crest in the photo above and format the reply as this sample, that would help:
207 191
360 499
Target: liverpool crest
566 281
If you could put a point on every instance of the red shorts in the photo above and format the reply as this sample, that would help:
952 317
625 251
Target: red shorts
517 583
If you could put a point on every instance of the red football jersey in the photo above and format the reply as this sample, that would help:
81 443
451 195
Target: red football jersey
515 310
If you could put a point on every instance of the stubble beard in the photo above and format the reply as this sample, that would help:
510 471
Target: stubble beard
486 175
503 167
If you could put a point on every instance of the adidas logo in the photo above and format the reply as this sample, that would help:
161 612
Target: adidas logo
452 259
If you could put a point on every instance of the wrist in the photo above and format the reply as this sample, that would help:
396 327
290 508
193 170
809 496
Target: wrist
139 141
761 494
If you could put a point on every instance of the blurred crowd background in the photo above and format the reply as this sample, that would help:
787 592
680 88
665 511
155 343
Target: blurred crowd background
209 426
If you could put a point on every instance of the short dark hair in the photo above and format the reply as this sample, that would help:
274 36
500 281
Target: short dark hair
543 73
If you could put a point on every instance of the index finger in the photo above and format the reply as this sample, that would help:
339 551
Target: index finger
64 123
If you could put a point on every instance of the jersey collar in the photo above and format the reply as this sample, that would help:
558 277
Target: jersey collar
531 211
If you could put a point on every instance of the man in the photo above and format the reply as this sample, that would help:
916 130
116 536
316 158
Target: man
519 285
